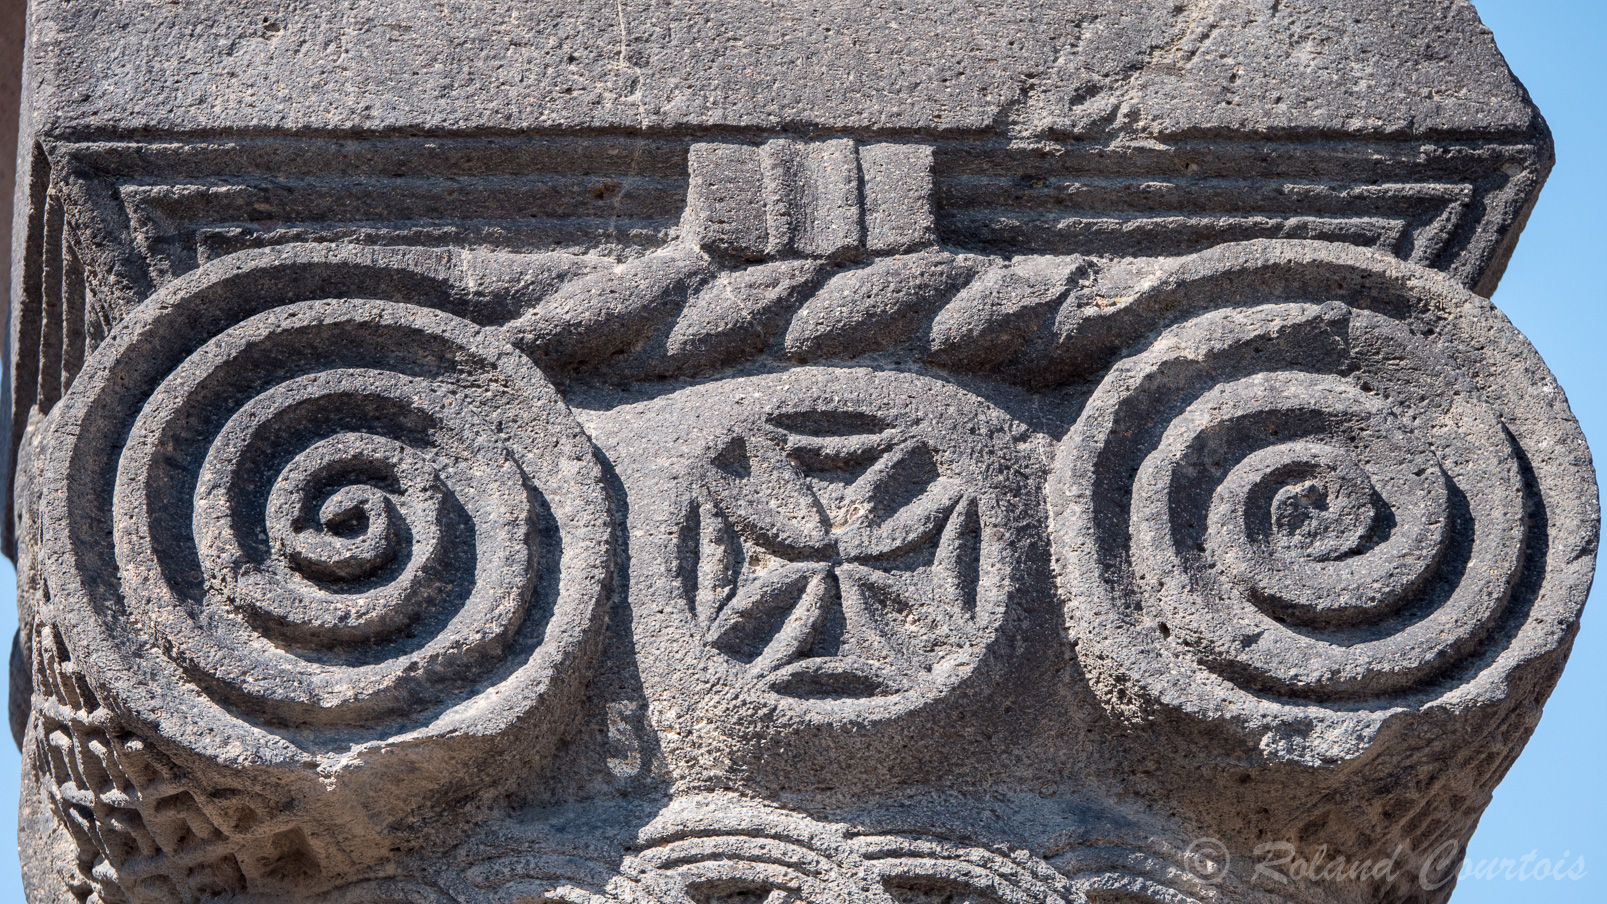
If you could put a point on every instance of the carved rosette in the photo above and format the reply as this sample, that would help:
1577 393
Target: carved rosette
305 517
835 546
1306 517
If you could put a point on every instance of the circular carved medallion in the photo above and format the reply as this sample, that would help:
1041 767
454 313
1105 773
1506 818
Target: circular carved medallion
836 543
1300 512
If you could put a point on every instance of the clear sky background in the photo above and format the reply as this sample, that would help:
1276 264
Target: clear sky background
1554 801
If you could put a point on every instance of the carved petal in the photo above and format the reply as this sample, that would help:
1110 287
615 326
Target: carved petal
874 611
909 527
769 502
754 619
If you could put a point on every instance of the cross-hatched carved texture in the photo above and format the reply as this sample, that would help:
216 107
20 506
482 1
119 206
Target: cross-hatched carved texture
142 835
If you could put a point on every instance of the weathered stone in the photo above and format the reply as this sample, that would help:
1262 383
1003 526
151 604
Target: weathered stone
607 453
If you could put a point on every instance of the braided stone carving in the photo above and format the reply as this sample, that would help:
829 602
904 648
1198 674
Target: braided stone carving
1021 462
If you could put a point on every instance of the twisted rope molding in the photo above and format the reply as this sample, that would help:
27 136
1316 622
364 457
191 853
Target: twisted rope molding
1035 321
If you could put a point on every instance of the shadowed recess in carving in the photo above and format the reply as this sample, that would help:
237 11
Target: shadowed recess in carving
125 808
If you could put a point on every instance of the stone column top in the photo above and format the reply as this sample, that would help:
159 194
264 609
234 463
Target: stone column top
1062 68
606 452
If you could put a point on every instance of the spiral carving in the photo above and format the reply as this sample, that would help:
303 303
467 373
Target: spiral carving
1302 526
1295 508
390 487
353 525
343 521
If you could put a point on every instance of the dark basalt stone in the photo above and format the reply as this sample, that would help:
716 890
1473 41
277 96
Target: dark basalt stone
607 453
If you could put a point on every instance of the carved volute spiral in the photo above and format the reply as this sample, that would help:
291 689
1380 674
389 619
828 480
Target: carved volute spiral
342 521
1303 518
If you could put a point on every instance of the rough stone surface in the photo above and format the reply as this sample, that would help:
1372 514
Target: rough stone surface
751 453
12 29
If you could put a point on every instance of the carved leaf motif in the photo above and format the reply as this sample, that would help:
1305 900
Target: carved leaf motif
909 527
875 609
770 602
769 502
845 538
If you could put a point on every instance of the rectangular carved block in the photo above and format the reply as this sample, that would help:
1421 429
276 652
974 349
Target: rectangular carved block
898 197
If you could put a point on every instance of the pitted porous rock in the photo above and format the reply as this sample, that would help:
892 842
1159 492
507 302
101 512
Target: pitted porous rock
751 452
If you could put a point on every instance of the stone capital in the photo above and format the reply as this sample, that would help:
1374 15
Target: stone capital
751 453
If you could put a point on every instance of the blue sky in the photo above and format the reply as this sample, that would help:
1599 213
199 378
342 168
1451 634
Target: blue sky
1554 801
